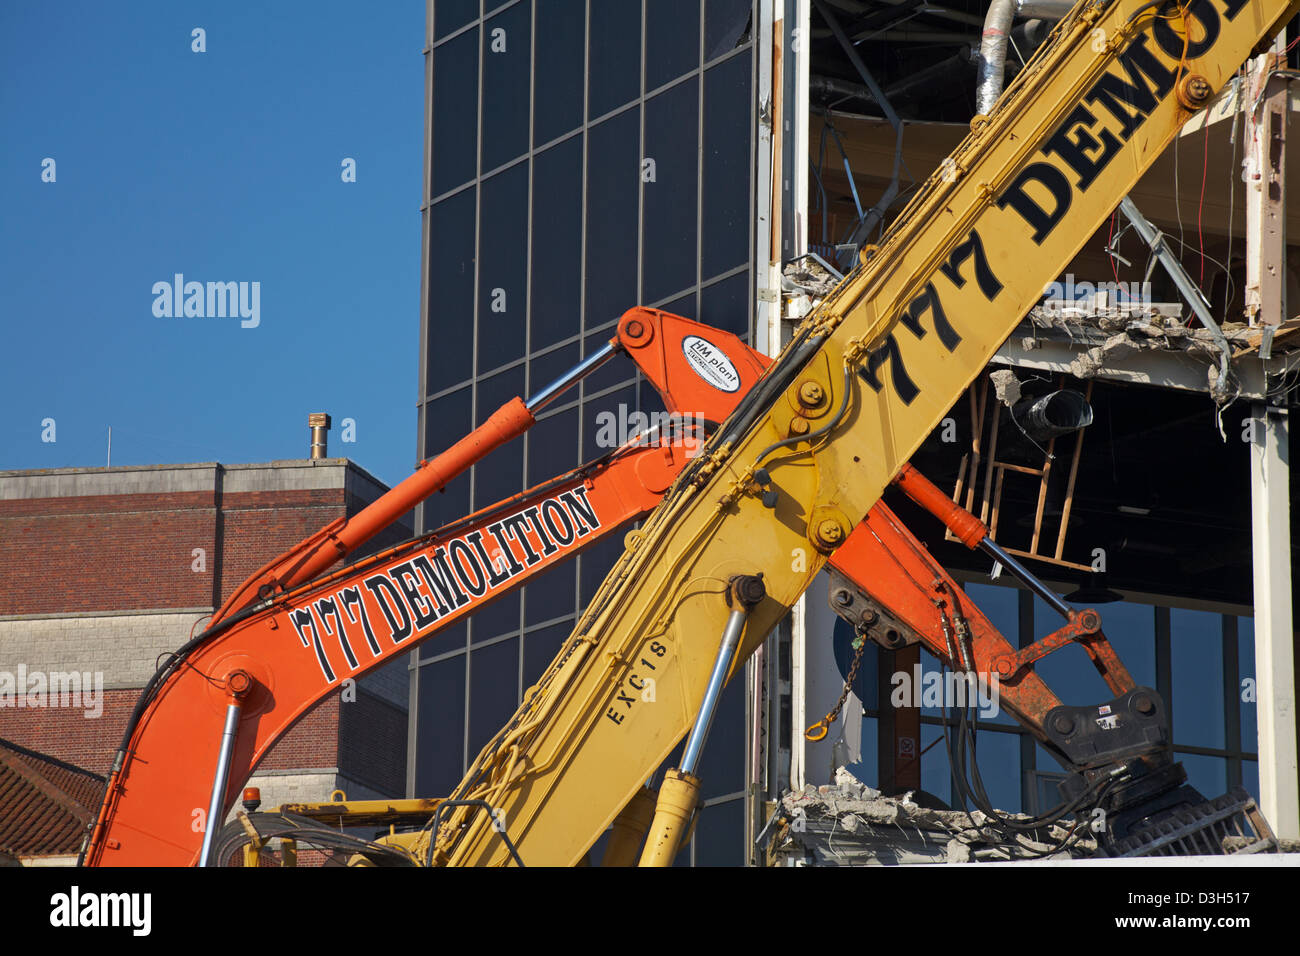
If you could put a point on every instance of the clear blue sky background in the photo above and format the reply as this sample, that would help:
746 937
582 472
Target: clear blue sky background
224 166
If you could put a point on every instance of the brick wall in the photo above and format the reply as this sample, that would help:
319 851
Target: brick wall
78 547
105 553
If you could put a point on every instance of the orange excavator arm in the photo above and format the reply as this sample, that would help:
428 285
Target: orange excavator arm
291 634
885 582
1118 752
288 636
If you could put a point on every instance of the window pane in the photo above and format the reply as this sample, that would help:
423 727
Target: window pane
595 563
561 36
726 187
1197 650
1001 605
617 370
1045 762
544 369
541 647
1246 672
867 769
447 420
448 638
440 734
1209 775
1068 671
454 127
499 617
932 672
611 412
450 15
557 252
613 171
501 474
503 268
725 305
1250 777
493 691
683 306
670 209
720 835
614 77
726 26
722 765
553 446
672 43
449 349
1131 631
999 763
552 594
936 778
496 391
506 41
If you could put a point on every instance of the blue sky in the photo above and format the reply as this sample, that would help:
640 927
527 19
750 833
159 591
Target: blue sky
224 166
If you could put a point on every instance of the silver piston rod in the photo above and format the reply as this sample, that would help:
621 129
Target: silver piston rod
1024 574
746 591
584 368
212 822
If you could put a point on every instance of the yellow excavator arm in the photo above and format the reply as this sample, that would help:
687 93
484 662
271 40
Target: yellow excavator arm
866 378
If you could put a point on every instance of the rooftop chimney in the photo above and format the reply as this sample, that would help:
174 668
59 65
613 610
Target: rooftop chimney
320 424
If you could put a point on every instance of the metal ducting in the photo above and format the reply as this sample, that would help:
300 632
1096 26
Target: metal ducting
1053 415
993 44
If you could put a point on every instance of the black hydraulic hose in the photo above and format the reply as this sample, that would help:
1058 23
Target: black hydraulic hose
150 689
813 436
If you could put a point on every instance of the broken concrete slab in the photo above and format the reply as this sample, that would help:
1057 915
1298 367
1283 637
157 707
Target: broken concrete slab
850 824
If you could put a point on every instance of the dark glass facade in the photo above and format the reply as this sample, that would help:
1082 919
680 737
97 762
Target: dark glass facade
584 157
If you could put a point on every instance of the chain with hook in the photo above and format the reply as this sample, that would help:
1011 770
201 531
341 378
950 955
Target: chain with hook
819 730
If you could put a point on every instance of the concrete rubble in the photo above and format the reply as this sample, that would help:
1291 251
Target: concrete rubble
850 824
1113 333
807 276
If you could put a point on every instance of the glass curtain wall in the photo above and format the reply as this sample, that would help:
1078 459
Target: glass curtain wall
584 157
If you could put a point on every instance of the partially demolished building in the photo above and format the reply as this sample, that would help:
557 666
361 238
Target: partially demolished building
1128 443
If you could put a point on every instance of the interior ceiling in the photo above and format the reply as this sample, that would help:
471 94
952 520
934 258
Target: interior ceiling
1210 156
921 55
1155 450
1149 449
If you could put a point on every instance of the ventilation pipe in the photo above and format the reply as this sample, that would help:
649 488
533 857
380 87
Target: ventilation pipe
1053 415
993 44
320 426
